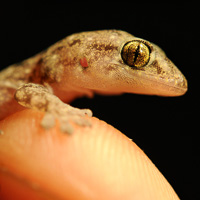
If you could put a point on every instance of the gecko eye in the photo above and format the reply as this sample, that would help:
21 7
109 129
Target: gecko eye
136 54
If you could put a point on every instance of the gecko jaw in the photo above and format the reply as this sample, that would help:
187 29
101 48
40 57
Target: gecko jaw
161 86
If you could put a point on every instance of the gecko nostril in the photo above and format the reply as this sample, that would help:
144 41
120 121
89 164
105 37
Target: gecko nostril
181 84
184 83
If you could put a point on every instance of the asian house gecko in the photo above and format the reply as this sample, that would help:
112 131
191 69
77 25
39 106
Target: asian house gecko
104 62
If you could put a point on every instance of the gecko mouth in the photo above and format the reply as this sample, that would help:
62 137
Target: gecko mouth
172 88
162 86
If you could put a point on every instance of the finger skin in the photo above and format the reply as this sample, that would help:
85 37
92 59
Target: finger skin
97 162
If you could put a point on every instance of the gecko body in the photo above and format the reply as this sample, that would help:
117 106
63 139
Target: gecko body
104 62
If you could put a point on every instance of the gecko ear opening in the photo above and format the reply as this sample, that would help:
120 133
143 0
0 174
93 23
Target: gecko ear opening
136 53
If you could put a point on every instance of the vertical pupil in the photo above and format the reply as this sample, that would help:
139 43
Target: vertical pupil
137 52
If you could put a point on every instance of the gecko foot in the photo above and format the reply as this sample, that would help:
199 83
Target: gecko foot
66 117
40 98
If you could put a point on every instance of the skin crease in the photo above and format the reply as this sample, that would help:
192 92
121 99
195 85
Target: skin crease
79 65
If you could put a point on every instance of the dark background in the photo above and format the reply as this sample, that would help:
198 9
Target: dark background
165 128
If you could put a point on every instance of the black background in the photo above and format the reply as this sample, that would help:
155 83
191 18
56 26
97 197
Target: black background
165 128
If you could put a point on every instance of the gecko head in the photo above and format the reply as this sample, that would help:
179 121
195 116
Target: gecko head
118 62
154 73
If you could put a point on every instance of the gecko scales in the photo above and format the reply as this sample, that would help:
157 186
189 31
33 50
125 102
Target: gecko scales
103 62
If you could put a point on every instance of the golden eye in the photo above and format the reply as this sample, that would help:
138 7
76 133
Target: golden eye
136 54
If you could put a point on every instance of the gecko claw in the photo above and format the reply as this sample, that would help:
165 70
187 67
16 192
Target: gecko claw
88 112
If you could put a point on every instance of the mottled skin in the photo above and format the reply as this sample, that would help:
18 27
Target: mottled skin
83 64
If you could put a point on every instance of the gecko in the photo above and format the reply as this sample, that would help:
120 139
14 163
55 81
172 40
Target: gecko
83 64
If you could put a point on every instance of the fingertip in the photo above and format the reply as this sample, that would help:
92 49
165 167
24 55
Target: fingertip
96 162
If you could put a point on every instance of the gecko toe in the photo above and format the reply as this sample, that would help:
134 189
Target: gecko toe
66 127
67 118
48 121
